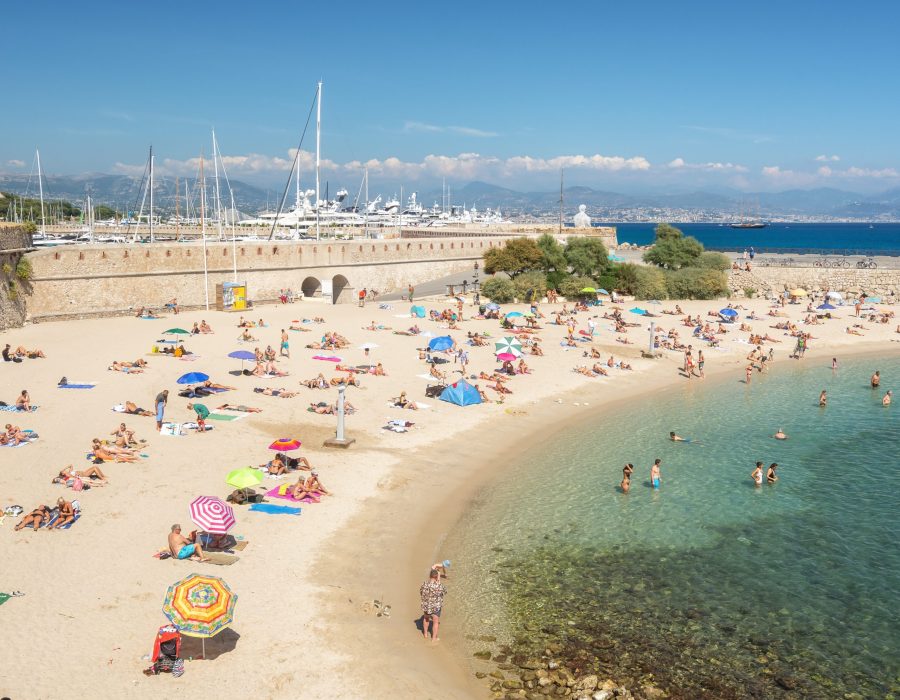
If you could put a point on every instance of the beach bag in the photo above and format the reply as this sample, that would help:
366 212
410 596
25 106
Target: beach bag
78 484
76 506
63 382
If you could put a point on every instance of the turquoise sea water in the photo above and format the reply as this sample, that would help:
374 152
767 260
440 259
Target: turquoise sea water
712 586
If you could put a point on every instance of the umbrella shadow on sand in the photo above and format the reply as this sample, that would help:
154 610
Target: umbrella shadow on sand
222 643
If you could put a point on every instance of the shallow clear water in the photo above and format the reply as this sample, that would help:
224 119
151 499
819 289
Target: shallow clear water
714 586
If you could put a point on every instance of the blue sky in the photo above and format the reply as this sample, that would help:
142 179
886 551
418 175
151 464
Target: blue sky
625 96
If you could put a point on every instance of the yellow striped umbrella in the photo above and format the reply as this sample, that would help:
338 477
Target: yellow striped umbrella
200 606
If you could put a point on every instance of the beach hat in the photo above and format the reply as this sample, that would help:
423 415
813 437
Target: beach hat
446 563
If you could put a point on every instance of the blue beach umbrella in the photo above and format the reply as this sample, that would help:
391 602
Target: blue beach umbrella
514 314
192 378
639 311
443 342
602 291
826 307
241 355
730 313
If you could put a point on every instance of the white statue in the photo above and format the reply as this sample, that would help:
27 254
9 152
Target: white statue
582 220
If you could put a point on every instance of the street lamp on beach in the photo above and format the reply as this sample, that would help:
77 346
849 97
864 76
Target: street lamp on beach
475 280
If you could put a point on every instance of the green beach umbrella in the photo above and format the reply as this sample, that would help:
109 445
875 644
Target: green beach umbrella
589 290
176 331
244 478
510 345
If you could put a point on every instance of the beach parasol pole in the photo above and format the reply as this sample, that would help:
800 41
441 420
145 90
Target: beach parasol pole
339 439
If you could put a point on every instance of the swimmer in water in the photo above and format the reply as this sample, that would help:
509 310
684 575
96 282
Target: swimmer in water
886 401
876 379
677 438
823 398
780 435
757 474
654 474
833 363
627 470
771 476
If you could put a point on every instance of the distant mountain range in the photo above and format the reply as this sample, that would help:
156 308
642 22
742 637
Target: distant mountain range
124 193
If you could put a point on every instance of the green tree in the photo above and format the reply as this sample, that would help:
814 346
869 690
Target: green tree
499 290
587 256
517 256
530 286
667 231
713 261
30 227
650 283
697 283
571 288
554 256
674 253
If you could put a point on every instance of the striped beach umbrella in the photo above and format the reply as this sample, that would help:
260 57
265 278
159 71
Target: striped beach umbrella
212 514
285 445
200 606
508 345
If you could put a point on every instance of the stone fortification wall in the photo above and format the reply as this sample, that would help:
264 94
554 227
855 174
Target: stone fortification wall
109 279
607 234
768 280
14 241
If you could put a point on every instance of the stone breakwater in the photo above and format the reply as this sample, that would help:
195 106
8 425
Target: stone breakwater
773 280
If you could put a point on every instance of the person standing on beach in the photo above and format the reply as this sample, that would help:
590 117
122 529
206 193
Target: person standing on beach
202 414
285 345
654 474
700 362
162 398
627 471
411 290
432 594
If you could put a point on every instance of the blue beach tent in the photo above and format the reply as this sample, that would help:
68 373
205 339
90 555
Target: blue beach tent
417 311
462 394
441 343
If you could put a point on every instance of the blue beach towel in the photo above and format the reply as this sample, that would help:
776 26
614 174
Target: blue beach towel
64 527
274 510
76 386
13 409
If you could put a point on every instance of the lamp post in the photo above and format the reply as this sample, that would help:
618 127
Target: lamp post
475 282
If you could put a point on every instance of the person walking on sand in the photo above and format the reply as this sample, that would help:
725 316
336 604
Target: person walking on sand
654 474
432 594
285 345
757 474
411 290
162 398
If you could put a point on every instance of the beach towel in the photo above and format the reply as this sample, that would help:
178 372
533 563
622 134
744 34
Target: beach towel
274 510
77 385
219 558
222 416
21 443
171 429
282 492
194 426
64 527
13 409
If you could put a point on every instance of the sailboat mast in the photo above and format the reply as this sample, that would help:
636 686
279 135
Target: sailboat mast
41 188
366 228
177 209
203 231
561 173
150 187
218 197
318 150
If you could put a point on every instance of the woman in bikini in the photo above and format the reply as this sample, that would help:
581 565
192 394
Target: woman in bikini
69 474
627 471
35 518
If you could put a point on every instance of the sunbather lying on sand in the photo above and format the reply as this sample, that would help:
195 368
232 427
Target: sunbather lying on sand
209 384
69 474
316 383
283 393
348 380
35 518
112 452
132 408
331 409
311 486
275 466
22 351
14 435
234 407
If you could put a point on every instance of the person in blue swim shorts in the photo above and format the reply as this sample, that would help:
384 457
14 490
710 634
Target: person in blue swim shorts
182 548
654 474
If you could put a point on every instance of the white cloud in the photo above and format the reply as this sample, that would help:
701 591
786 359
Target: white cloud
681 164
16 163
867 172
463 165
828 159
796 178
435 129
825 171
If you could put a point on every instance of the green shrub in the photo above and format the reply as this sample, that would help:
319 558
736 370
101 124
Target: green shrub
555 278
626 276
30 227
530 286
571 288
13 291
675 253
7 268
499 290
650 283
697 283
713 261
749 292
607 282
24 271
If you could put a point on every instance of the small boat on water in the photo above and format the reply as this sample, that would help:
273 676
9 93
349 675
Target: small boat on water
749 224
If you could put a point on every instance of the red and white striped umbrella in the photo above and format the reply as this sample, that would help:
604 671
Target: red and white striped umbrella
212 514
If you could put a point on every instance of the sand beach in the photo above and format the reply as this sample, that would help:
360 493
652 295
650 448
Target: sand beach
304 622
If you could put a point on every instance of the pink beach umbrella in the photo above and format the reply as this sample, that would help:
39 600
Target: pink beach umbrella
506 357
212 514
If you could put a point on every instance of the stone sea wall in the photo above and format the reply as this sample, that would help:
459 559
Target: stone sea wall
14 241
110 279
768 280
